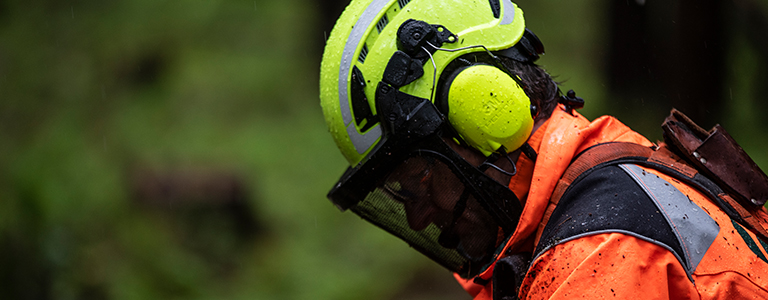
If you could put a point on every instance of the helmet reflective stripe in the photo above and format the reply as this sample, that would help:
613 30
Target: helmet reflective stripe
509 12
361 141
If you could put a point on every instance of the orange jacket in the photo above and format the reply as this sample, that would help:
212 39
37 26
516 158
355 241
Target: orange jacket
614 264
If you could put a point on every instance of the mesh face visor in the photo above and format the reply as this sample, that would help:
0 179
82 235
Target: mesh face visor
415 186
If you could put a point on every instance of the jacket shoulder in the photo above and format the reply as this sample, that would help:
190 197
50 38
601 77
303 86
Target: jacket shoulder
627 199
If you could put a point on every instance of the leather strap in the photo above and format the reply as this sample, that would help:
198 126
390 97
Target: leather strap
718 156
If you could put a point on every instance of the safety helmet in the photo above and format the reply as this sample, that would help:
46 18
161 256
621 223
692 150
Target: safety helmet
366 36
396 76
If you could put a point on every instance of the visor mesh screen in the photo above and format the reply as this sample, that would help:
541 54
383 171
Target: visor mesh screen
424 203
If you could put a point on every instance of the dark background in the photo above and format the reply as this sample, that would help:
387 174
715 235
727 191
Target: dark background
156 149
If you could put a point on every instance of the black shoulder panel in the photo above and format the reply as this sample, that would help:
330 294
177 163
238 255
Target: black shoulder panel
626 199
606 199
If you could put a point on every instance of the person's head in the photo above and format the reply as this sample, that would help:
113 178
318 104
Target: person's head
426 99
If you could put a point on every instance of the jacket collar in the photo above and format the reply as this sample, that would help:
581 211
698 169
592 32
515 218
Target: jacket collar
556 142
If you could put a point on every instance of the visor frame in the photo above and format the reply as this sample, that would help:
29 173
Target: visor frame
412 124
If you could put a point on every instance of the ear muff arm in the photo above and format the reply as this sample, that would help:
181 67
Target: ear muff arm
495 61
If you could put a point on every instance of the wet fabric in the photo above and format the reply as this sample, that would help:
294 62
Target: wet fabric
607 199
615 265
624 266
623 198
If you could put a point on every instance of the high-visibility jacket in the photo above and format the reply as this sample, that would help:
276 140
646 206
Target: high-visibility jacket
707 255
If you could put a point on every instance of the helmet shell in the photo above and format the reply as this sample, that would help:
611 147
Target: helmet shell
365 37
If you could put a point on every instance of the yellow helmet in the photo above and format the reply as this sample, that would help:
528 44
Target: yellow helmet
370 32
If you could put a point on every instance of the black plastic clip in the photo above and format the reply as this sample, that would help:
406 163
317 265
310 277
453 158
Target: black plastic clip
413 35
571 102
402 70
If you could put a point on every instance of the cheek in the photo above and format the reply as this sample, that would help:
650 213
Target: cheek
422 211
419 213
477 237
445 188
471 155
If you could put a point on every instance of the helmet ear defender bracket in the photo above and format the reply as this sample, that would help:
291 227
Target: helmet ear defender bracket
402 70
485 104
413 36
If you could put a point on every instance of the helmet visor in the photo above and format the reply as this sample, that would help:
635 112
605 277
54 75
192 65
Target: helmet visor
427 194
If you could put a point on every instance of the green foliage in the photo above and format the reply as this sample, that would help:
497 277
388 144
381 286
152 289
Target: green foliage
94 94
99 99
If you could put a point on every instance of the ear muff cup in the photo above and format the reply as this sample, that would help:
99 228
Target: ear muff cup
486 107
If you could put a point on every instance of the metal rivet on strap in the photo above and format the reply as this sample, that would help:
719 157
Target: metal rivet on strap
696 154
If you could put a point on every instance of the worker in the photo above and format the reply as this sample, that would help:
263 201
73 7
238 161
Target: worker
460 145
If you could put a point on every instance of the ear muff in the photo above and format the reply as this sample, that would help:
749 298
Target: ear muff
487 108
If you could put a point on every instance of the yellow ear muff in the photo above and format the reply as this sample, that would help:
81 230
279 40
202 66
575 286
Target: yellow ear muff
489 109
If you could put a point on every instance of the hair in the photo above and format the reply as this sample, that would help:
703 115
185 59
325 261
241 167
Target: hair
539 85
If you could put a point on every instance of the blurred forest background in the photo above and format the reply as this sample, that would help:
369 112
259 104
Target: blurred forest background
157 149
